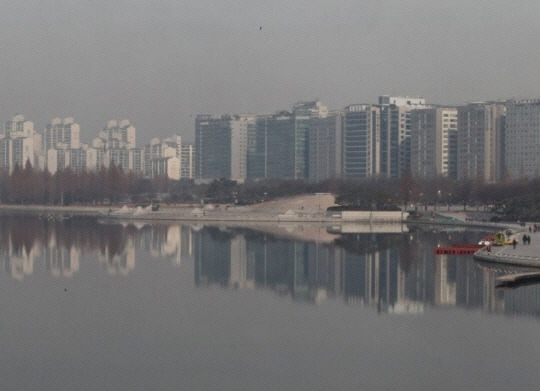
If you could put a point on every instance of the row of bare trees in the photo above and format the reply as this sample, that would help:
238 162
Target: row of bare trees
113 184
24 185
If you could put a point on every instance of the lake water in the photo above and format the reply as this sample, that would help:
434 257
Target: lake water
89 305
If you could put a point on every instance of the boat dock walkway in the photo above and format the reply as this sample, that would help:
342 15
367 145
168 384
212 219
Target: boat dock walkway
522 255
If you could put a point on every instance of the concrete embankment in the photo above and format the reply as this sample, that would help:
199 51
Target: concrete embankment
301 209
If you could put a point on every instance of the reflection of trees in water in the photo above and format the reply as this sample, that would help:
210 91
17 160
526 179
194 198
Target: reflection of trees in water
85 234
20 233
24 236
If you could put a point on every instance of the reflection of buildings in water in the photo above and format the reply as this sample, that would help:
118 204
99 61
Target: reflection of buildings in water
445 281
19 262
222 260
60 243
525 300
186 245
241 271
405 277
173 241
61 261
121 263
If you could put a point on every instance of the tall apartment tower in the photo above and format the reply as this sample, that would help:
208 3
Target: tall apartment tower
119 134
278 145
395 148
434 142
116 144
481 128
62 147
221 146
162 157
522 139
285 138
187 161
62 131
19 143
324 147
361 141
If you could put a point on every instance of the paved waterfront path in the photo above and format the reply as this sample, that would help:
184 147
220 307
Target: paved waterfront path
522 255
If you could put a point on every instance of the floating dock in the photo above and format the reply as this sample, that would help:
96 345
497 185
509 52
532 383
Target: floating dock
458 249
517 280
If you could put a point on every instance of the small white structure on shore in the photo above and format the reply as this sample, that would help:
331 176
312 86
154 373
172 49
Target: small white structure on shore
290 214
197 212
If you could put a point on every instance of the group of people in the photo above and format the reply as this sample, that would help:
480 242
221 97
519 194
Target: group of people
526 239
534 228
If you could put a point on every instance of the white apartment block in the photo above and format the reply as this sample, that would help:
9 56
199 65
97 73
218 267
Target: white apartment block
163 157
119 134
116 144
434 142
522 139
187 161
168 166
19 144
62 131
18 127
481 129
408 101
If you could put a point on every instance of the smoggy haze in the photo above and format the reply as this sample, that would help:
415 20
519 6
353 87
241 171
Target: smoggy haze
157 63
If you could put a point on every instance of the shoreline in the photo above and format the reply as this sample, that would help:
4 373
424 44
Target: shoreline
184 213
527 256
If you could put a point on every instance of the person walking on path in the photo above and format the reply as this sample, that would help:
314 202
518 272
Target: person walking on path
514 243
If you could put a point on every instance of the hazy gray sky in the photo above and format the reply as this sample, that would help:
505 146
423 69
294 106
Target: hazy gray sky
159 62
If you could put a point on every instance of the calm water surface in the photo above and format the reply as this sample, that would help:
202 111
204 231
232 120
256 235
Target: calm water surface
89 305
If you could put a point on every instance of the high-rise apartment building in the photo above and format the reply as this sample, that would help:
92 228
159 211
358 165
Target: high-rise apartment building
62 131
434 142
80 159
522 139
162 157
278 146
285 139
18 127
119 134
61 137
395 140
257 148
361 141
221 146
481 128
324 147
116 144
187 161
19 144
83 158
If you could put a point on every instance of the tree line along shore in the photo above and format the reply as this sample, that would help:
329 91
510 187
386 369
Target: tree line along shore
508 200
